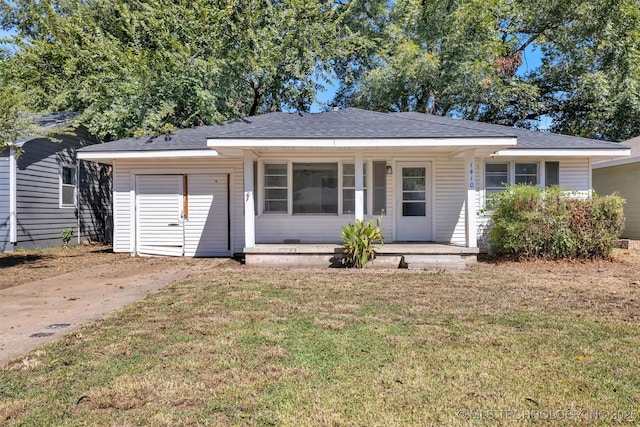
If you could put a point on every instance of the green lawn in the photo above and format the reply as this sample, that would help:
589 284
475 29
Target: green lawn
502 344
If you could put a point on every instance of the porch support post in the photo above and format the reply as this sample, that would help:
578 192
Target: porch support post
359 202
471 228
249 203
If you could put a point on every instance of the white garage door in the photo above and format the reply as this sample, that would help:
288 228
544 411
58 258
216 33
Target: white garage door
206 226
159 215
183 215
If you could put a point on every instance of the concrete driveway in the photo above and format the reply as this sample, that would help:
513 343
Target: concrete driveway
37 312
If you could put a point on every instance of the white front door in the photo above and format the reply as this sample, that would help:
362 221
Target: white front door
413 201
160 226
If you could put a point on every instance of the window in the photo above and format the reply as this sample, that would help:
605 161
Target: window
349 188
551 174
318 188
496 177
68 186
315 188
526 173
275 188
379 187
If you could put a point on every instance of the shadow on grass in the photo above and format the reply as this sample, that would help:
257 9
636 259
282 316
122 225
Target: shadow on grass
14 260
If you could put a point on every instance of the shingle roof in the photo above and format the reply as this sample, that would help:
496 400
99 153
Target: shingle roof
350 123
48 122
527 139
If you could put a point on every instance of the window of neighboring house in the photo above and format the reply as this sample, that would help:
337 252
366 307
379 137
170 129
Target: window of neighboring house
275 188
526 173
68 181
349 188
496 177
551 174
315 188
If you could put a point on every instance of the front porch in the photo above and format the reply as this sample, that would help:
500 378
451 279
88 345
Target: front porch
414 256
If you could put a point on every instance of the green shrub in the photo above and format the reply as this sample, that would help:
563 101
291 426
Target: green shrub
66 235
531 222
360 240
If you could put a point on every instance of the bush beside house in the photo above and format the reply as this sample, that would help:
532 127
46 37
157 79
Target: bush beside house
531 222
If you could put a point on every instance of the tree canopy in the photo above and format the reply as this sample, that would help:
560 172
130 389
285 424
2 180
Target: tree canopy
136 67
149 66
463 58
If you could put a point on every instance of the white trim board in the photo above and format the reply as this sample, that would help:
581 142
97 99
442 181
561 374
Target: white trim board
146 154
361 143
577 152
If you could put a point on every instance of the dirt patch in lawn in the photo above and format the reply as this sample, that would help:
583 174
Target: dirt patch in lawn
25 266
21 267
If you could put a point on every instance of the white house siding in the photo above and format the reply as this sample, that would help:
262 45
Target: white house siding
449 200
624 180
5 244
448 197
574 175
448 204
124 193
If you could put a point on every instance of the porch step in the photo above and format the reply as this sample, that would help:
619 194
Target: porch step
439 262
412 256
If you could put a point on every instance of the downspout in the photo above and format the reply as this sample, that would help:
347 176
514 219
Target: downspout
13 205
77 196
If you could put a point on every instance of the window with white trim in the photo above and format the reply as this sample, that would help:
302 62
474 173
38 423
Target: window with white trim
551 174
322 188
526 173
276 198
68 183
315 188
496 177
349 188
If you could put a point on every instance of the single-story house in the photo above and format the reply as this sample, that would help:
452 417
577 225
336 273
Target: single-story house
280 184
622 175
44 189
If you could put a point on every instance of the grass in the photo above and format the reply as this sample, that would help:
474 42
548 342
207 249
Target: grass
505 344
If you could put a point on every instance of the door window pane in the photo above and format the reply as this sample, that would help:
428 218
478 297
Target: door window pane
413 209
413 191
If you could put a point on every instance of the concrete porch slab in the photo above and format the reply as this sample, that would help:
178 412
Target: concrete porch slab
392 255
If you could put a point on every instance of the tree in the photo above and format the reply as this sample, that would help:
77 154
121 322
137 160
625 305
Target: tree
462 58
13 120
138 67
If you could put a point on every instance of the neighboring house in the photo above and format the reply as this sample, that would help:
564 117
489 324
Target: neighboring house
45 190
622 175
300 177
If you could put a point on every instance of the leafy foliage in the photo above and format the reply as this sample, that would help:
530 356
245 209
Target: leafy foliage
140 67
463 58
360 240
66 235
530 222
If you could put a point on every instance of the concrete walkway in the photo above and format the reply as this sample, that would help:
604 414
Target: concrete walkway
38 312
